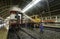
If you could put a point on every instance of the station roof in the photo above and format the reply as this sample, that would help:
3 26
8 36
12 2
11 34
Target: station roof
44 8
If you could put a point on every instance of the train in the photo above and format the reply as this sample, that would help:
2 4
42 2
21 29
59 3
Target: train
36 18
15 20
35 22
51 21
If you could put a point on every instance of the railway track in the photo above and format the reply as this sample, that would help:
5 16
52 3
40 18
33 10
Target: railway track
21 34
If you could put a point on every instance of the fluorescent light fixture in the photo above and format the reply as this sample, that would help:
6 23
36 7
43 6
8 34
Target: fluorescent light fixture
31 4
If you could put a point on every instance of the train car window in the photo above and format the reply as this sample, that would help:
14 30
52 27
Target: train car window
17 16
48 17
38 17
44 18
58 17
33 17
53 17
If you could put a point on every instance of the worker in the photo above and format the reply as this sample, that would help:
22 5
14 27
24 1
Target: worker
41 28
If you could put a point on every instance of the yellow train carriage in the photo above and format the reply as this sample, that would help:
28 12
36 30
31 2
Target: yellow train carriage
35 20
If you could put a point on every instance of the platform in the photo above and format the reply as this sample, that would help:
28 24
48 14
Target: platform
3 33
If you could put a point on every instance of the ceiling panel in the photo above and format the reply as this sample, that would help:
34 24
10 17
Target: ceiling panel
37 9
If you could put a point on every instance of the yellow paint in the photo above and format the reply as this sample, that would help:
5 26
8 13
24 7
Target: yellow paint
36 19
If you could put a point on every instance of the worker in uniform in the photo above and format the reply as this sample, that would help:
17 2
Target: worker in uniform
41 28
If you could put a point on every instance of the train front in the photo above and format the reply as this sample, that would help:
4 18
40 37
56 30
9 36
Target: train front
15 19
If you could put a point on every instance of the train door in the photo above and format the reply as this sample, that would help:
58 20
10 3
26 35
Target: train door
19 17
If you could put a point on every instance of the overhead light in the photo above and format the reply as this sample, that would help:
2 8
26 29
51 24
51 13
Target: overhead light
31 4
